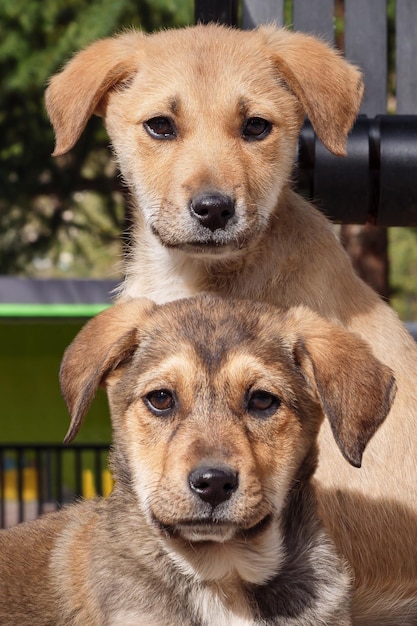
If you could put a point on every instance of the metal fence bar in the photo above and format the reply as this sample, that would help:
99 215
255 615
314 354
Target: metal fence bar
39 481
48 474
78 471
98 472
19 468
58 476
2 494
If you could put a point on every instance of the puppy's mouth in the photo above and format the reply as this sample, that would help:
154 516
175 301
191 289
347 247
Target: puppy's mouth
215 247
202 531
214 253
217 243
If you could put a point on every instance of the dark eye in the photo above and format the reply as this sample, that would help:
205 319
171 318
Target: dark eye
161 128
262 403
160 401
256 128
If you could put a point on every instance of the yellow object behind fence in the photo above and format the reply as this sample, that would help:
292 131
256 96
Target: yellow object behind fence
88 485
29 484
30 490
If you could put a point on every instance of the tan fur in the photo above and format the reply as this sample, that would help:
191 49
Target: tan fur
277 248
156 552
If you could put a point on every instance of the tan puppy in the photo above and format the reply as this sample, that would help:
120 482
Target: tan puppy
204 123
216 407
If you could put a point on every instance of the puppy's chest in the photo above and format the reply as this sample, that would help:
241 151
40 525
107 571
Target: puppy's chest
203 607
229 610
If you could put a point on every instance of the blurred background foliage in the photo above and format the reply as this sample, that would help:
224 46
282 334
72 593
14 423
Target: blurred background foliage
64 217
61 216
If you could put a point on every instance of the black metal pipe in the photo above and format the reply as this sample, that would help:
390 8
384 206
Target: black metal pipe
376 181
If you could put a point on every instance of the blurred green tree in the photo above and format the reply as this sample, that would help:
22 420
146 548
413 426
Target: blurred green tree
60 216
403 274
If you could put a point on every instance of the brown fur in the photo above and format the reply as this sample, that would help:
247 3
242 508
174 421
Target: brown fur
277 248
156 552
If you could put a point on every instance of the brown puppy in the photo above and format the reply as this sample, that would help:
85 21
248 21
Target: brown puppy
204 123
216 406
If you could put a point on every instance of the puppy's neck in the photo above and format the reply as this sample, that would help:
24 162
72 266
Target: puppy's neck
300 574
313 579
159 273
164 274
237 562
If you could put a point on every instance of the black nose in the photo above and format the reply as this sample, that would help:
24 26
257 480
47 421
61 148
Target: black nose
212 210
212 484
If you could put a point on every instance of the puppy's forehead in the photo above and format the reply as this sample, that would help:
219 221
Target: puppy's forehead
202 45
214 329
208 55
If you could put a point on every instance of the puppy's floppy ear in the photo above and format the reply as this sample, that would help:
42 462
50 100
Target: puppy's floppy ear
329 88
75 93
356 390
103 343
